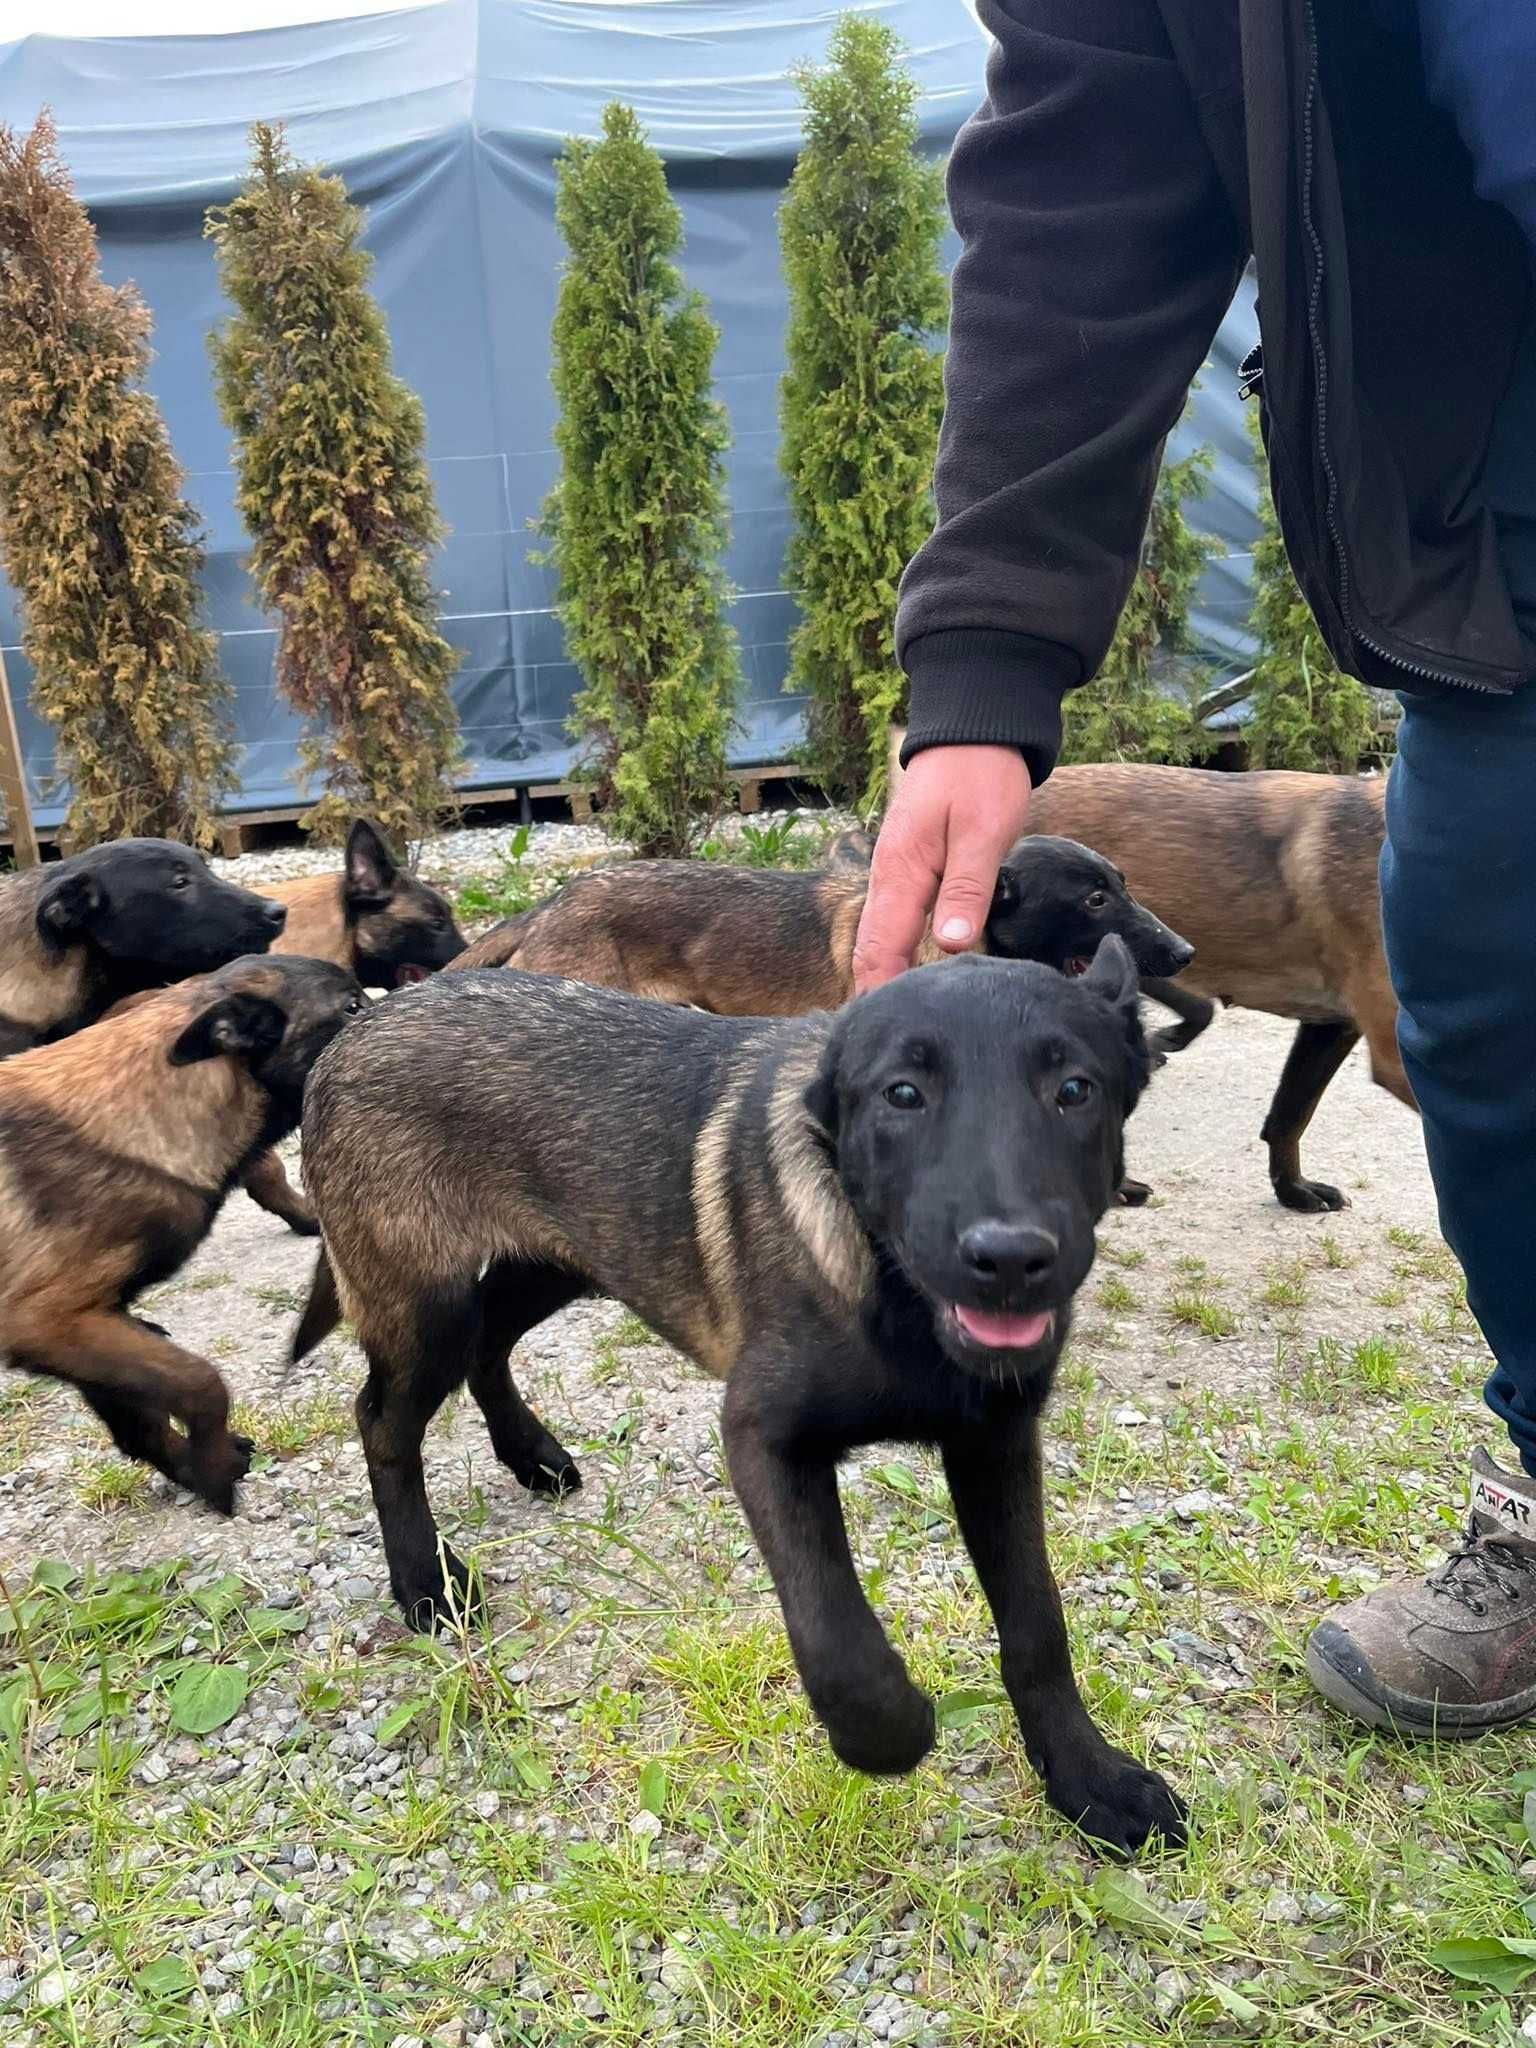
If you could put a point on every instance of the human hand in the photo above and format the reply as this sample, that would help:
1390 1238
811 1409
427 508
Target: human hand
956 813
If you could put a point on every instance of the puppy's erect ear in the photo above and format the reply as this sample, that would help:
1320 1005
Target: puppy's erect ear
371 867
1112 976
821 1093
1112 973
234 1024
67 909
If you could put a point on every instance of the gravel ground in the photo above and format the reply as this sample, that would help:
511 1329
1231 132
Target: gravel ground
610 1818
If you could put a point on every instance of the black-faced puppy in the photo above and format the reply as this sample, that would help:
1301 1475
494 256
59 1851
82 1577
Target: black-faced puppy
871 1226
117 1148
138 913
760 942
380 923
375 918
1056 900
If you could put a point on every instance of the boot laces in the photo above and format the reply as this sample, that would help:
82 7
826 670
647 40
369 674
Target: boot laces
1484 1567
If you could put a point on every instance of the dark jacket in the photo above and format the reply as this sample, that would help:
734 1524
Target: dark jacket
1130 156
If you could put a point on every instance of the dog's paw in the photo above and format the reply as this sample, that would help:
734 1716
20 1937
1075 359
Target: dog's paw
215 1474
1309 1197
1132 1194
885 1734
303 1223
551 1471
434 1600
1118 1803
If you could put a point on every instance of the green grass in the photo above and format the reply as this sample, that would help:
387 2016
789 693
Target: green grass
504 892
1377 1368
615 1821
112 1482
283 1430
773 842
278 1300
1192 1309
1114 1295
1285 1286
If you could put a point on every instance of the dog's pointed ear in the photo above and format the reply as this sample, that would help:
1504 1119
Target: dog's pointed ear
821 1091
234 1024
1112 976
1112 973
371 867
68 908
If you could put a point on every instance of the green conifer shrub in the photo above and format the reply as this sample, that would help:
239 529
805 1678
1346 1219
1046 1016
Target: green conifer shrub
862 395
1306 713
636 521
334 491
94 531
1122 714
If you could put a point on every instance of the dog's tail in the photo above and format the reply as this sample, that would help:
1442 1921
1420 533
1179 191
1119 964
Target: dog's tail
322 1312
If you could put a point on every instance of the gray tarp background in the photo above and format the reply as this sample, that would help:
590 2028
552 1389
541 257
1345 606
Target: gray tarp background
445 121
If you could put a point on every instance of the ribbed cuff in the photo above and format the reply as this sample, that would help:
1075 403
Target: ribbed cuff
985 689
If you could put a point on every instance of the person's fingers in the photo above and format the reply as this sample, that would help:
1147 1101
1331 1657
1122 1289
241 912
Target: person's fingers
970 877
903 881
957 811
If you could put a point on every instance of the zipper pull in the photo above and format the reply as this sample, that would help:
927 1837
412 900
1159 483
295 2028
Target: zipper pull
1250 371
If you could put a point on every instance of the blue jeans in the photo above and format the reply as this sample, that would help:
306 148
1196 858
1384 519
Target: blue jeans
1458 892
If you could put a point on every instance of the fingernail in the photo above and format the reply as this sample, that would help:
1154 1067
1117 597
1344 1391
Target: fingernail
954 928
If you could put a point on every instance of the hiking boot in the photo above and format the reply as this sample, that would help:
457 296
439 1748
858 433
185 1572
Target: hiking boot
1453 1655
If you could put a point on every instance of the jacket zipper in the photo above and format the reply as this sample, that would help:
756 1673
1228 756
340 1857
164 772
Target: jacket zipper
1320 370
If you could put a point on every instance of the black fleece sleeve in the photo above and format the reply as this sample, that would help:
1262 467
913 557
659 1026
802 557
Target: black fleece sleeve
1100 253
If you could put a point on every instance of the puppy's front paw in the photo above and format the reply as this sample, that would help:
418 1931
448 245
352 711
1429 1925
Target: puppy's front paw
887 1732
1116 1801
438 1599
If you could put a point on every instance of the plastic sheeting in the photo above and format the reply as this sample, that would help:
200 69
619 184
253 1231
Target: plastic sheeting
445 121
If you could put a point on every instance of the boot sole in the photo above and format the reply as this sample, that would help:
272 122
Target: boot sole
1354 1691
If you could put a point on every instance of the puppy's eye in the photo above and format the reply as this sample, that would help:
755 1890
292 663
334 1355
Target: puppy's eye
354 1006
902 1095
182 881
1074 1092
1098 900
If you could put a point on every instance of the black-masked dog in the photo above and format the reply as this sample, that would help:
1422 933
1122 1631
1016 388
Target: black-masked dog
762 942
870 1225
135 914
117 1148
375 918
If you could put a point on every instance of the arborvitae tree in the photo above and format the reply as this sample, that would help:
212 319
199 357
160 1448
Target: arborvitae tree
94 531
1306 713
862 397
636 522
1122 715
333 487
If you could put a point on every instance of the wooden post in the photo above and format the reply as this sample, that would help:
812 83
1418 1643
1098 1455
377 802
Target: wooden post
13 781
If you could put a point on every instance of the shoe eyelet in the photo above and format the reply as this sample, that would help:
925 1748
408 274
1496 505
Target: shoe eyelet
1479 1607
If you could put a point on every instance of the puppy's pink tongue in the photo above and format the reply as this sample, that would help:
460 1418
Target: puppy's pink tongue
1003 1332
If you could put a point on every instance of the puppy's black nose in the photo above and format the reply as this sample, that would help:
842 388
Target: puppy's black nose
274 914
1009 1254
1183 952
